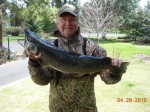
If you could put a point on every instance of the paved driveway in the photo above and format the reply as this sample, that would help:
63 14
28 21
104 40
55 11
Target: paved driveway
13 71
14 46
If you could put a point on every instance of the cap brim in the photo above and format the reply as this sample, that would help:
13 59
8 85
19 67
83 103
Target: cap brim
72 13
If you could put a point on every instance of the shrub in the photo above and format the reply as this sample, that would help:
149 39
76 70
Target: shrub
14 31
146 40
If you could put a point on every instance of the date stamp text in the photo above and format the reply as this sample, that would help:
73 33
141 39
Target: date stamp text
138 100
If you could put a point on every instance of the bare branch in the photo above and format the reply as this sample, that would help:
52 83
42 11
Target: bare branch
99 15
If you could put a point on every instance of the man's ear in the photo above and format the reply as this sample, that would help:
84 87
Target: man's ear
57 21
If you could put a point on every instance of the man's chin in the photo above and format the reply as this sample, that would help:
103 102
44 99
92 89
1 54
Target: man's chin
68 35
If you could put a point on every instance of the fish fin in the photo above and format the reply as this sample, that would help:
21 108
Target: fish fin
125 63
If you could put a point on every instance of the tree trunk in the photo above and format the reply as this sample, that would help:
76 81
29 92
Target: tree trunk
0 26
97 36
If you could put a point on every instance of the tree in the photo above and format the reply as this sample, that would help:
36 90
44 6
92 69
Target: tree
129 16
1 35
0 26
142 22
58 3
38 15
138 25
99 15
43 19
14 15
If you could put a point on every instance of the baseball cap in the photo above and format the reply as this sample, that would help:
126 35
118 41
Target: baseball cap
69 9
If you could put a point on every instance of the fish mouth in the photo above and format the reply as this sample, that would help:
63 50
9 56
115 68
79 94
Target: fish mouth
28 34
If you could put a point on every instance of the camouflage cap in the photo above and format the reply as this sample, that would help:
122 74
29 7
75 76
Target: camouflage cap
68 8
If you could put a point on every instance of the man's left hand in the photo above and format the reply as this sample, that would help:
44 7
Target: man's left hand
116 62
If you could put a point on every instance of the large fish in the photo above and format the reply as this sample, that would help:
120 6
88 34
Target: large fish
68 62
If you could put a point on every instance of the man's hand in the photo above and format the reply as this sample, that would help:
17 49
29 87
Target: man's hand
31 51
118 68
29 55
116 62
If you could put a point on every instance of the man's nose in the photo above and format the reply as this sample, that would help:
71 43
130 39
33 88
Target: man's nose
68 22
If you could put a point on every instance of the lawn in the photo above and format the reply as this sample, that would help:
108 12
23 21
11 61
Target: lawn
123 96
131 94
12 38
125 50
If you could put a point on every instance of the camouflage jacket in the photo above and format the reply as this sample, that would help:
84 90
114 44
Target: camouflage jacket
71 93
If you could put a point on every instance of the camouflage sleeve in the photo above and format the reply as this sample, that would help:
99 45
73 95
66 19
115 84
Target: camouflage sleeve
108 76
95 50
39 75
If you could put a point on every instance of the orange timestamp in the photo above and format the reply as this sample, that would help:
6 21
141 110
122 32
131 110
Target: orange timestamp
132 99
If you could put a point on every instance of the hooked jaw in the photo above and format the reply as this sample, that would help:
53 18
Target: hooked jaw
28 34
31 47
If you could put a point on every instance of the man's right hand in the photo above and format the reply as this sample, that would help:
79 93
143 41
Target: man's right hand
29 55
31 51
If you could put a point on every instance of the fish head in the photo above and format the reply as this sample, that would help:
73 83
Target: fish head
31 47
28 35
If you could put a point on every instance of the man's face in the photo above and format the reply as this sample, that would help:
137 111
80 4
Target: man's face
67 25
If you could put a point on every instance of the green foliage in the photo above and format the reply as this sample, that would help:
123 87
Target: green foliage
14 31
128 12
137 26
49 20
35 26
59 3
43 19
38 15
15 14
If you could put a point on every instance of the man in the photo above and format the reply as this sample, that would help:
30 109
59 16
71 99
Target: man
71 92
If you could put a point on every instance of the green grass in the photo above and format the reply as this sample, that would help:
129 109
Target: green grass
24 96
124 50
134 84
12 38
